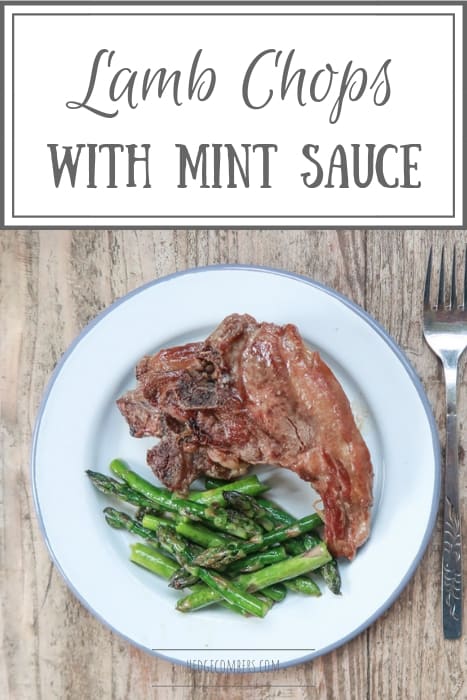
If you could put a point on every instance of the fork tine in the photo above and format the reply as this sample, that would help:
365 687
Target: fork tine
453 281
426 295
441 282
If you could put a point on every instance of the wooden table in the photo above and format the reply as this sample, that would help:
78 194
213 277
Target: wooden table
51 284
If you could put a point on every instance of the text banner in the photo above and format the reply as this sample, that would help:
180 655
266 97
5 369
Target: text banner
307 115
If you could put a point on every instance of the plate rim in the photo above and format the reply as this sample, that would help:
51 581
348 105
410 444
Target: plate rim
355 308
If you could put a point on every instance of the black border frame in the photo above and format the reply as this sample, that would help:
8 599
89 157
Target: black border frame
224 225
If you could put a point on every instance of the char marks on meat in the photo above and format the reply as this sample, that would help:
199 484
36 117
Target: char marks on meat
253 393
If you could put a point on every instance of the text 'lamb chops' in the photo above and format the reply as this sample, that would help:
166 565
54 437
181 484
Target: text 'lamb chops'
253 393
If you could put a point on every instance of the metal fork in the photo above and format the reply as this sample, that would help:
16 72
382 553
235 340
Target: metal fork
445 331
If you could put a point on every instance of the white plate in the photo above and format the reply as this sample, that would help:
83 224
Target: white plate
79 427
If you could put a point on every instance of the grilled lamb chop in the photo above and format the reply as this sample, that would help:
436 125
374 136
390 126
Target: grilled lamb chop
253 393
144 419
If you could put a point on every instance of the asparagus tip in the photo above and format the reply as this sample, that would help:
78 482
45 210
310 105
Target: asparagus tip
115 518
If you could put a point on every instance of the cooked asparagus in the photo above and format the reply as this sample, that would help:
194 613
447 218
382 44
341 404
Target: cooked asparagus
120 490
258 561
250 485
219 557
229 521
303 584
219 529
260 580
248 506
225 588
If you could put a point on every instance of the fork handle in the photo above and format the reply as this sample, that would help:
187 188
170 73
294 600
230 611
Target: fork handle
452 550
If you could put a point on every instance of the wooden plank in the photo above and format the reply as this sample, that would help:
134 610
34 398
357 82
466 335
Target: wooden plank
51 284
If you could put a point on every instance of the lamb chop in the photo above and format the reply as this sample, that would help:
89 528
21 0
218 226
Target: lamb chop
254 393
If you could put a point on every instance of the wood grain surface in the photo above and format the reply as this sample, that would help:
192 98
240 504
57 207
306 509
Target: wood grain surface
51 284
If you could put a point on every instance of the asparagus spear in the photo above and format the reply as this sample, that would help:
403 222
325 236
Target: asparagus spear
331 576
220 518
257 561
141 512
280 516
112 487
251 486
176 545
230 521
303 584
150 530
301 544
122 521
193 531
219 557
276 592
151 522
248 506
329 572
141 493
200 534
289 568
182 579
225 588
232 593
152 560
156 495
260 580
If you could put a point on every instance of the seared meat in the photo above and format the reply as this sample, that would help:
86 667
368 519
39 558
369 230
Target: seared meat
253 393
143 418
